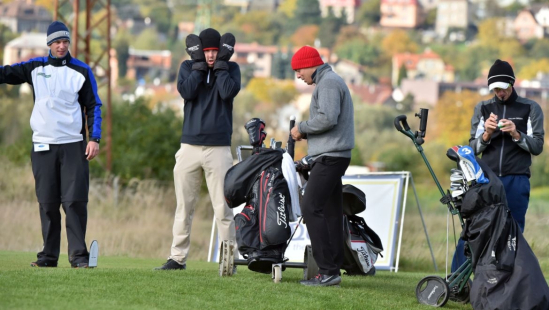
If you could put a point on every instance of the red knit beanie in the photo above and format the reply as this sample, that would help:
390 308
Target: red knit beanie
306 57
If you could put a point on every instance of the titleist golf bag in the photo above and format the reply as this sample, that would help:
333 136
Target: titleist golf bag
362 244
263 226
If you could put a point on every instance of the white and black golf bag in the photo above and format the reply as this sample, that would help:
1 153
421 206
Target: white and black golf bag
362 244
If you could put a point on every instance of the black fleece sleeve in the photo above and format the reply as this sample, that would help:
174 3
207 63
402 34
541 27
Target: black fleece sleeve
228 82
189 80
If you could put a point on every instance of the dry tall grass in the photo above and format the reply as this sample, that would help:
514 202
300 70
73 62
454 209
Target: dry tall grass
137 222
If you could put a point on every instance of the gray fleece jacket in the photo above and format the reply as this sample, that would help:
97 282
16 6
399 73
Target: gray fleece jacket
330 130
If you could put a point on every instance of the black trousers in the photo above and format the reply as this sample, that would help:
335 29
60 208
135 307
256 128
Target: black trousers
322 208
62 178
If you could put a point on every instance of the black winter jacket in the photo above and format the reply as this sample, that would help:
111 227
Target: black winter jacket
503 155
208 104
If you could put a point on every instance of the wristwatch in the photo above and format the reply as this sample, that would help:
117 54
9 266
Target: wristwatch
97 140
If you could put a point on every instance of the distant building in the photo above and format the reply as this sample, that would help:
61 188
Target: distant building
532 23
425 66
401 13
351 72
25 47
253 5
25 16
429 4
453 15
260 58
348 7
148 64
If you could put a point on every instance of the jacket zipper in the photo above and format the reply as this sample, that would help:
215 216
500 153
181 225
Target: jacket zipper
502 145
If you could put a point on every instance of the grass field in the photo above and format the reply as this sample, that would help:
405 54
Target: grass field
133 226
130 283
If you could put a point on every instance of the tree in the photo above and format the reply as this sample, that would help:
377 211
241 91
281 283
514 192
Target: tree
539 49
451 117
348 33
288 7
359 52
145 151
148 40
259 26
305 35
369 13
397 42
121 44
489 33
329 28
431 18
533 68
402 74
307 12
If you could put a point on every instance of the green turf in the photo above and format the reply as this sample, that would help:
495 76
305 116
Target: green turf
130 283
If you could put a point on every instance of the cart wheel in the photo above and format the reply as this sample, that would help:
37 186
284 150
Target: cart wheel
462 296
311 268
277 273
226 258
432 291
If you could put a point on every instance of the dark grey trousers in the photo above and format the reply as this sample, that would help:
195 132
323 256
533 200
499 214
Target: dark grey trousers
62 178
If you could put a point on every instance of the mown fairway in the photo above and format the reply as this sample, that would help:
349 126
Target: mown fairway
130 283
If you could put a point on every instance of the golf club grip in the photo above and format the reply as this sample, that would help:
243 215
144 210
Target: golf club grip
291 141
401 119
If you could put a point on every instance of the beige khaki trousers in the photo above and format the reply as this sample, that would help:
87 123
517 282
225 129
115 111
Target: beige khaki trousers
190 162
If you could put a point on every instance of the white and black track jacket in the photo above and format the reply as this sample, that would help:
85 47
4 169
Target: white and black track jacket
504 155
65 91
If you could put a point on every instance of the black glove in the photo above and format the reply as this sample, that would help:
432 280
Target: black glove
220 65
226 47
255 130
194 48
201 66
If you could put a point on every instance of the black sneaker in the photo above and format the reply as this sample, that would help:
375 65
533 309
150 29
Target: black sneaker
41 263
80 265
171 265
323 280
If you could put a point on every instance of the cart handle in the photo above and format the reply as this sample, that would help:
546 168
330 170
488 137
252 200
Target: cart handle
401 119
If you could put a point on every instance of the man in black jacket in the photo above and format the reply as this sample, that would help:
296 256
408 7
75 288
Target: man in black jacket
208 84
507 130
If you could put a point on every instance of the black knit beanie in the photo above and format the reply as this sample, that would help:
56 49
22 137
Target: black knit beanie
210 39
501 75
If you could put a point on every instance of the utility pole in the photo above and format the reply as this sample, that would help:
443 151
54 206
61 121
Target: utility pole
101 68
203 15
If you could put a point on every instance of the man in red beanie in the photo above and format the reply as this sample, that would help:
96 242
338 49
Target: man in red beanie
330 138
208 84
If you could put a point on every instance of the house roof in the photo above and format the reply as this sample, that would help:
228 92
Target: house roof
25 10
138 52
372 94
401 2
29 40
339 3
410 61
272 49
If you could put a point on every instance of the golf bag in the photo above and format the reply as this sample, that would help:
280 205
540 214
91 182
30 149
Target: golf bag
263 227
362 244
507 273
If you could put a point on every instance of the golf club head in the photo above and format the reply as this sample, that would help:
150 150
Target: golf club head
457 193
469 165
452 153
